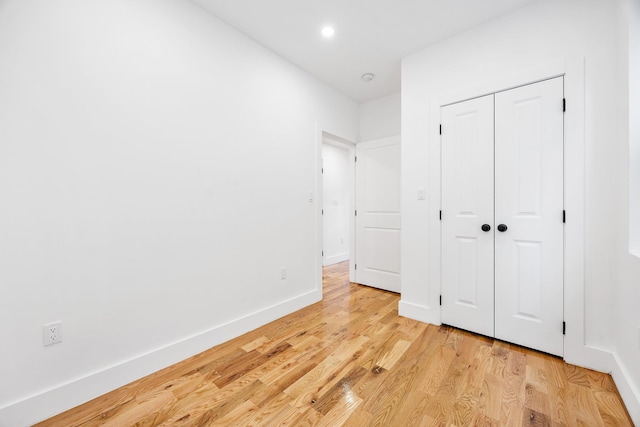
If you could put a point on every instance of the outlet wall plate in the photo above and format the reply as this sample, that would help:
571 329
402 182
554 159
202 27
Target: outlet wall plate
51 333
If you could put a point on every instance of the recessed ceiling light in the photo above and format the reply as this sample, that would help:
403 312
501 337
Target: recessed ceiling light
367 77
328 32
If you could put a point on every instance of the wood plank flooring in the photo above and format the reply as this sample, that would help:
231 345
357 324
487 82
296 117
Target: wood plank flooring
349 360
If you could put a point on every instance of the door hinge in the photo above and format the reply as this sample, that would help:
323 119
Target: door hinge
356 159
355 266
322 211
322 170
440 299
356 213
564 105
440 215
564 216
322 253
440 129
564 328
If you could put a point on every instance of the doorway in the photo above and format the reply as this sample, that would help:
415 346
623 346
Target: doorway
360 208
337 200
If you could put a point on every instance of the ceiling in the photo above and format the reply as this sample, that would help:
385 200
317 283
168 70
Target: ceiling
371 36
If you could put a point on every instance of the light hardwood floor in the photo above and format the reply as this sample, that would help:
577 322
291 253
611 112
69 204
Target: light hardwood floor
350 360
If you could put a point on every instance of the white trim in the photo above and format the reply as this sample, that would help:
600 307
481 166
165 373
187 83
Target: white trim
334 259
48 403
532 75
629 393
318 206
574 198
419 312
435 243
336 141
592 358
607 362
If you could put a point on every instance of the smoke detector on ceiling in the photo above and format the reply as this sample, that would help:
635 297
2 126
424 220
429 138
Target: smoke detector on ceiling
367 77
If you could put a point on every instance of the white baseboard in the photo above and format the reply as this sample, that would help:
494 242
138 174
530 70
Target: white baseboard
334 259
627 389
48 403
66 396
419 312
588 357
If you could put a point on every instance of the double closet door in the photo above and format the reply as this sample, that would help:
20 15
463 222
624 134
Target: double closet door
502 215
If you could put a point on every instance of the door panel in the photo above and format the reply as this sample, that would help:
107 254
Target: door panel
467 204
529 201
378 219
382 260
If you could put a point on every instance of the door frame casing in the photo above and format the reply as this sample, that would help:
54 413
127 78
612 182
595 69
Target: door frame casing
575 349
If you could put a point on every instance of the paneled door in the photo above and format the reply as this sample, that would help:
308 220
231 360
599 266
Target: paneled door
378 213
467 215
529 215
502 215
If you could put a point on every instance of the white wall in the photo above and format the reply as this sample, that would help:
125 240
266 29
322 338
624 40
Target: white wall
380 118
632 13
155 172
336 201
626 221
541 33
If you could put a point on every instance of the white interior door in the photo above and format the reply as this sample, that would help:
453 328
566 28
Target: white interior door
529 202
378 214
467 206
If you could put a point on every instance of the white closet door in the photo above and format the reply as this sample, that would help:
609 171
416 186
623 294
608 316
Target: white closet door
378 213
467 204
529 202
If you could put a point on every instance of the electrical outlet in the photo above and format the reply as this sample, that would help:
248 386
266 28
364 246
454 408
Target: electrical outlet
283 273
52 333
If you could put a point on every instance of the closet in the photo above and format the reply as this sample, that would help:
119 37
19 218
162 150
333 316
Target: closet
502 215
